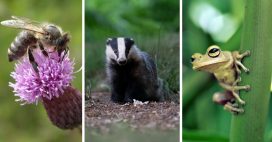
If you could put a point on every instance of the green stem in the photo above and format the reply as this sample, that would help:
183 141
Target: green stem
256 37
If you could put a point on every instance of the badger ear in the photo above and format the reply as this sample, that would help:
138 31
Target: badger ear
131 41
108 41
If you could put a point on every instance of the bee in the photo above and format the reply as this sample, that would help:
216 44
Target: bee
33 35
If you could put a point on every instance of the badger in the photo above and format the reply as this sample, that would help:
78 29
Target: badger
131 73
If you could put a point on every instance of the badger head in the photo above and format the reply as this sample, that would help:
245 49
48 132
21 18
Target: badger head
119 50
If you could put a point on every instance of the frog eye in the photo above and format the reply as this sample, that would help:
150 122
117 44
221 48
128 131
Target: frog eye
214 52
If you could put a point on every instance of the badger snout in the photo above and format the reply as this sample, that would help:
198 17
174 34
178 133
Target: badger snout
122 61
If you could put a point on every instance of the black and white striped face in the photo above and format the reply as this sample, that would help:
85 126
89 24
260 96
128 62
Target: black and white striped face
118 49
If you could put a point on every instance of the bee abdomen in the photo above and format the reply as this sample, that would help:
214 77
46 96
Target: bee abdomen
19 46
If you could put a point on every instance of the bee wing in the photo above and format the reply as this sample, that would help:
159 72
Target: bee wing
23 23
20 18
23 19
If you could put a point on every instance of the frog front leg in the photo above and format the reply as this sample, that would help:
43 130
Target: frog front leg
238 60
238 63
241 56
234 89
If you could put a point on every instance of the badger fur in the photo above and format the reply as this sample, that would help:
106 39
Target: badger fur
132 74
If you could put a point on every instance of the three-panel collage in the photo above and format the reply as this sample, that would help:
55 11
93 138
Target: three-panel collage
135 70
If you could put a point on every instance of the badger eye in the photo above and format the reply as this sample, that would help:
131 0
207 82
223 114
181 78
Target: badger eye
214 52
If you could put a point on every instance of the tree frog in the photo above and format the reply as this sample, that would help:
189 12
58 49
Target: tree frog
225 66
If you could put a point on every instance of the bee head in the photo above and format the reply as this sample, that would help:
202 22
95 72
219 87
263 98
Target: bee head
52 32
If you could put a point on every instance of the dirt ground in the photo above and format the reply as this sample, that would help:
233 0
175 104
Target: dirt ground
101 114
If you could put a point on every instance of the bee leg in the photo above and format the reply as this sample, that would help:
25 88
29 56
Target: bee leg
32 60
42 49
65 53
59 54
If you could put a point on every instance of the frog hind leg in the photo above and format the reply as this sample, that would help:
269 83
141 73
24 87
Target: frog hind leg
236 95
222 98
234 89
227 100
232 108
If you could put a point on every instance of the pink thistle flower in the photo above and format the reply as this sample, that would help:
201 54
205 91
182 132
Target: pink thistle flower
50 81
51 85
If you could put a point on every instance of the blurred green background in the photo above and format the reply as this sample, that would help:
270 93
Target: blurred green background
208 22
30 123
146 21
153 24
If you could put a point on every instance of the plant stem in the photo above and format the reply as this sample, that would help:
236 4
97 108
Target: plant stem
256 37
